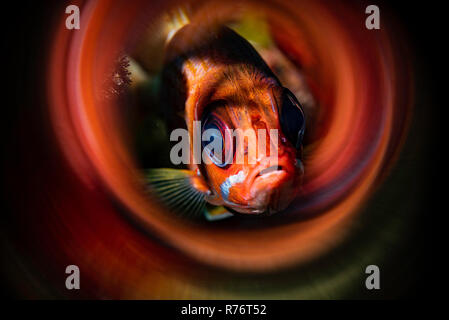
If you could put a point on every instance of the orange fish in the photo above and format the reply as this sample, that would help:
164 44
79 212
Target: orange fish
214 77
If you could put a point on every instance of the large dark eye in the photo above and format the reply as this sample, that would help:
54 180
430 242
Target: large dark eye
217 141
292 118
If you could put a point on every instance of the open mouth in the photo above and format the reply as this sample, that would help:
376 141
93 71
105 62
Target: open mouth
269 178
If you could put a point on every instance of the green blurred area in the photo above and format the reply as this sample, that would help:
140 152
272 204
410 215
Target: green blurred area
255 29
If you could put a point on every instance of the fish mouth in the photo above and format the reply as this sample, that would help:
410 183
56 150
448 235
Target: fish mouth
268 170
272 174
266 186
269 187
269 178
272 187
271 190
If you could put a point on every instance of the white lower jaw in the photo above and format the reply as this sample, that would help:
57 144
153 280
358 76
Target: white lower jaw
260 199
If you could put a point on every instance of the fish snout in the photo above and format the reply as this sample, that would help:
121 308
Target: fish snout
274 186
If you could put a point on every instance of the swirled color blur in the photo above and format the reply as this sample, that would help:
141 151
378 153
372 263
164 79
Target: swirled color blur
128 246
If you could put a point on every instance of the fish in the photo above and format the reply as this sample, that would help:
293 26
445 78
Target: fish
214 76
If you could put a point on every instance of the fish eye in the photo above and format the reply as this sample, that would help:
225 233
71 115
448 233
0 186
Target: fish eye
217 142
292 118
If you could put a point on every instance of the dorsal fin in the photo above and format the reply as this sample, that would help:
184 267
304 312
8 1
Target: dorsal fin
176 19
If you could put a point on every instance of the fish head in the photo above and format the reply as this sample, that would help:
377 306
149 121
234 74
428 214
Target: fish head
252 130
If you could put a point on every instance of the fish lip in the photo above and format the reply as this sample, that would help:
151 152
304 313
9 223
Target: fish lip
264 169
260 175
265 188
278 175
269 184
269 170
263 202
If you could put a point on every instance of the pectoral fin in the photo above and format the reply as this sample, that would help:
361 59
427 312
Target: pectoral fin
176 188
184 192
